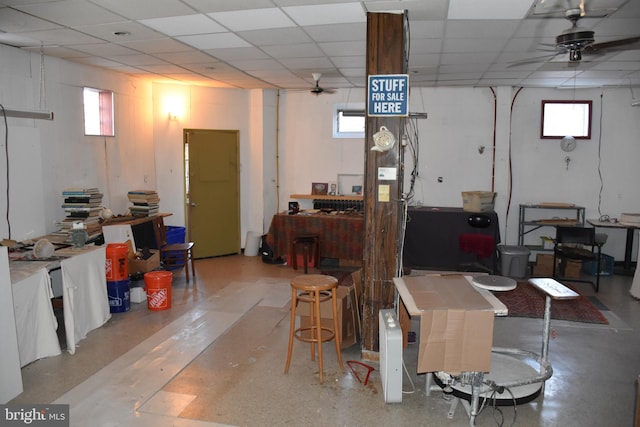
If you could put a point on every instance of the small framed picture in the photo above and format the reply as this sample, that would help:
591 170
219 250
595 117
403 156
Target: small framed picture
319 188
356 189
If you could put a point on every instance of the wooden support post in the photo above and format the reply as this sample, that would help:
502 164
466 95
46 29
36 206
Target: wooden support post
385 55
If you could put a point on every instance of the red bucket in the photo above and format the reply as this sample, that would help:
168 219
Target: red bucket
117 262
158 284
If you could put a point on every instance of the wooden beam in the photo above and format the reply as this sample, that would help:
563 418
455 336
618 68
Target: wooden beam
385 55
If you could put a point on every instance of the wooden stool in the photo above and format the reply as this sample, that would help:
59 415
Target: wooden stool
310 244
314 288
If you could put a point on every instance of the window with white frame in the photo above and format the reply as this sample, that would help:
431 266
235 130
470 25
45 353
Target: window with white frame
98 112
348 120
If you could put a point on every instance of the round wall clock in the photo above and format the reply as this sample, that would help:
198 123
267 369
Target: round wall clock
568 143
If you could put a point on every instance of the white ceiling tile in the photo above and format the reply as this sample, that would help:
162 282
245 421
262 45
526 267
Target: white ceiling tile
139 9
307 63
103 49
473 45
350 61
275 36
417 9
304 50
338 32
488 9
486 29
258 64
138 59
344 48
120 32
214 41
256 19
222 5
426 29
71 12
14 21
163 68
230 54
184 25
157 45
191 57
61 36
326 13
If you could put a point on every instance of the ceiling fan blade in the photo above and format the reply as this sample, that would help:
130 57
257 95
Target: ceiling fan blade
622 44
538 59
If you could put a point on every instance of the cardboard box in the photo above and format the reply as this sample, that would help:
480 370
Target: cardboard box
570 269
456 324
478 201
145 265
346 315
544 265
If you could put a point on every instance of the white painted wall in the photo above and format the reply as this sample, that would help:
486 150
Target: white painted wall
286 144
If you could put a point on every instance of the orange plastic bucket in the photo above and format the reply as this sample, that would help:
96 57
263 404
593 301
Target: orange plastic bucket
158 284
117 262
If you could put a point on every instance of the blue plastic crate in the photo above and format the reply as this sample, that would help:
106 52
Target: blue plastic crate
606 266
176 235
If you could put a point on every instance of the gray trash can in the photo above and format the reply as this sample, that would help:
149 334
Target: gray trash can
514 261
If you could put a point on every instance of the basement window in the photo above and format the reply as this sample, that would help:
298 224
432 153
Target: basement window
98 112
566 118
348 121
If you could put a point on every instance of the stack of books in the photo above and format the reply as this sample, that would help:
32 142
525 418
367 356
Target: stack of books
144 202
81 205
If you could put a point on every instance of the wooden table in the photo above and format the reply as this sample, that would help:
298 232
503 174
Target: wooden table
341 235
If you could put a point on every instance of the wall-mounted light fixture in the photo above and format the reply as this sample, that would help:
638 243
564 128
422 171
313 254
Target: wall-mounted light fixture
174 107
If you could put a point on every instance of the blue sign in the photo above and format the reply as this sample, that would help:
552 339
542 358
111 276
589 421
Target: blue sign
388 95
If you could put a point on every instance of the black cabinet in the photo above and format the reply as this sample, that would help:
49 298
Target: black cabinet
433 239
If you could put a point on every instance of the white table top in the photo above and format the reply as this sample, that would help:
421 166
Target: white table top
553 288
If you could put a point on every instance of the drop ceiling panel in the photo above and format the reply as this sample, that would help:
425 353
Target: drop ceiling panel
120 32
280 36
488 9
135 9
344 48
256 19
157 45
213 41
338 32
15 21
449 39
326 14
303 50
71 13
184 25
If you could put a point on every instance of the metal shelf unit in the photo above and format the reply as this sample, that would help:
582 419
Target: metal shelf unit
527 224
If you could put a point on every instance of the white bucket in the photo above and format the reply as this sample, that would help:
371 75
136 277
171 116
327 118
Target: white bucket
252 243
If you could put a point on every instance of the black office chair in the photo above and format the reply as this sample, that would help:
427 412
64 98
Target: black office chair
571 243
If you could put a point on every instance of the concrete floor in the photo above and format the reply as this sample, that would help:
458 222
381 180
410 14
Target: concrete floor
216 357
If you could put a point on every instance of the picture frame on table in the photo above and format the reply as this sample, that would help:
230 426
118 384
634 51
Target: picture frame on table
319 188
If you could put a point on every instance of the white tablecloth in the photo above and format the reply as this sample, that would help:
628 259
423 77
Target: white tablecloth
85 299
36 323
84 292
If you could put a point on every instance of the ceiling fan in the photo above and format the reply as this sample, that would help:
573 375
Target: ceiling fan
578 41
316 89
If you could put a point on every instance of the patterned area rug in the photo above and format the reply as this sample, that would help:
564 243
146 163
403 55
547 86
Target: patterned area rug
527 301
